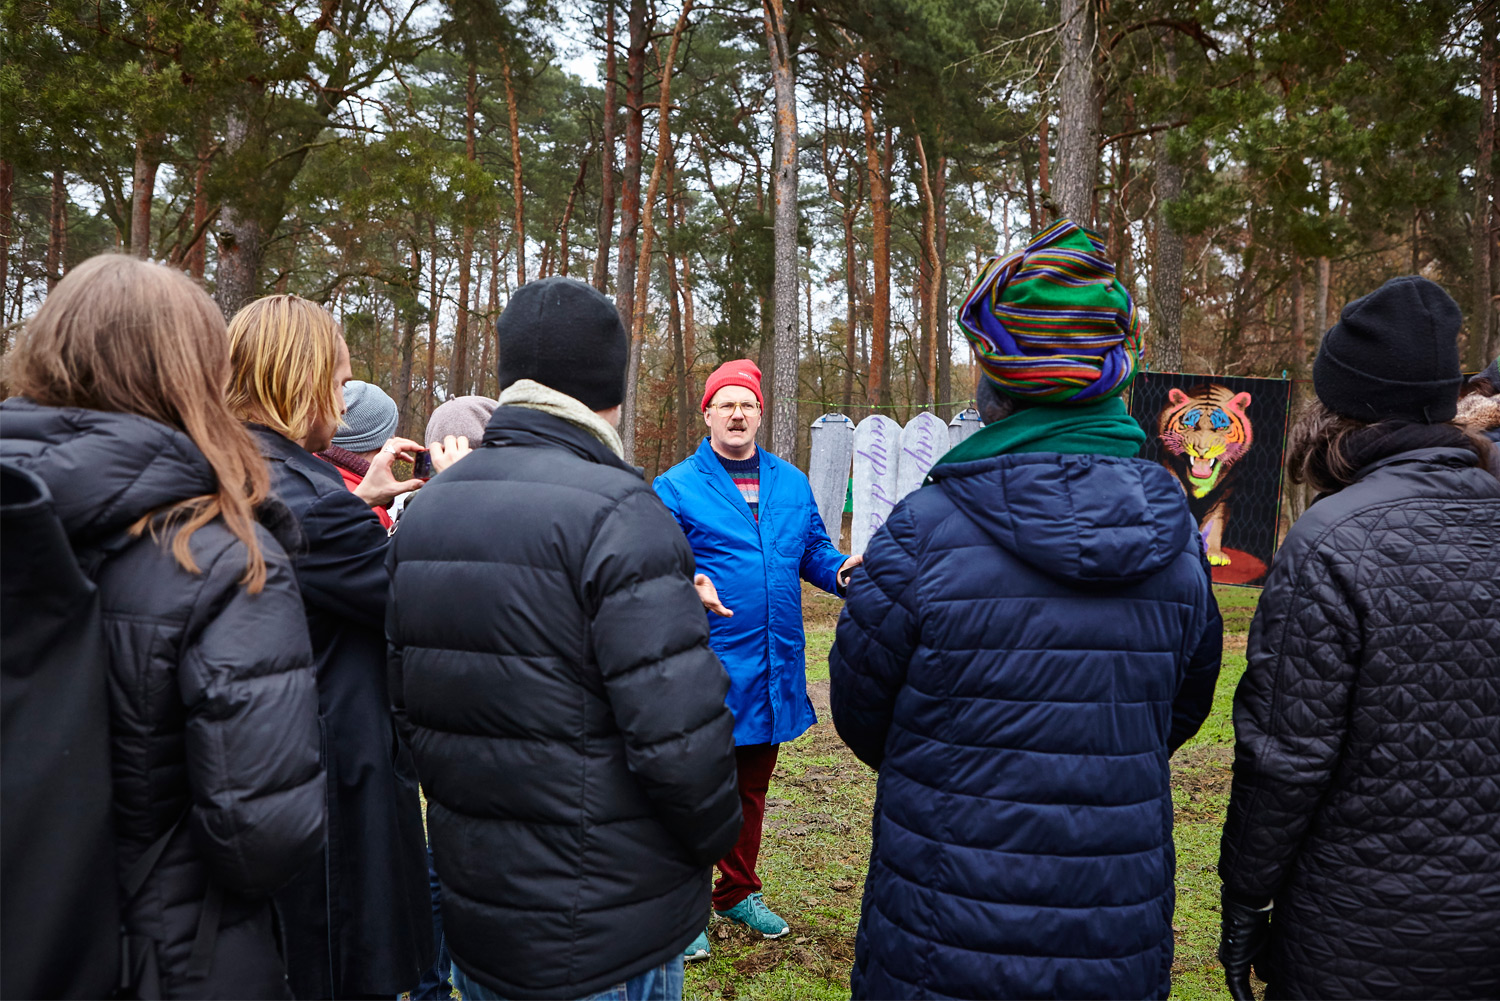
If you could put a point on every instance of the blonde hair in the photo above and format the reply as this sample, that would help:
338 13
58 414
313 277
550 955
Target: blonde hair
284 350
123 335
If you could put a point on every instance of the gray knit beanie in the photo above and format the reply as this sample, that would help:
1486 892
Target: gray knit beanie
369 420
462 415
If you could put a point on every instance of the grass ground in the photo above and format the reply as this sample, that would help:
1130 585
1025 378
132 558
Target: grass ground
817 843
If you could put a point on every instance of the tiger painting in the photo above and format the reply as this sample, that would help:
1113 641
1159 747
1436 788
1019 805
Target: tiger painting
1205 432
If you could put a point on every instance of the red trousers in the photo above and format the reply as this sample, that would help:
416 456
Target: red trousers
737 878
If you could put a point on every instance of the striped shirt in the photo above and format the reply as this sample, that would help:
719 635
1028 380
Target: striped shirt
746 476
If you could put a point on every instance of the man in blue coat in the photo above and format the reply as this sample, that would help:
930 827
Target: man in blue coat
755 533
1030 637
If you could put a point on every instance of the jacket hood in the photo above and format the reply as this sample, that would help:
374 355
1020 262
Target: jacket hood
1088 519
105 470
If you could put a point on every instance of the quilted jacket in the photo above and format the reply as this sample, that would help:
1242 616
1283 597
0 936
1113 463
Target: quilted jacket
1366 796
213 706
1026 642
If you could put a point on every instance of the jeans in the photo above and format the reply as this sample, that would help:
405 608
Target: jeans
434 983
660 983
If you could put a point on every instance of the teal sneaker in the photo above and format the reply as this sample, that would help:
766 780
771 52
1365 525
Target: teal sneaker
697 949
753 913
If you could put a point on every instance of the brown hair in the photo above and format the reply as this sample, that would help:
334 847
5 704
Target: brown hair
1318 446
284 350
126 336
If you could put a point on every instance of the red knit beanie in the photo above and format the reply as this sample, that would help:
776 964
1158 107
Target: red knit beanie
734 373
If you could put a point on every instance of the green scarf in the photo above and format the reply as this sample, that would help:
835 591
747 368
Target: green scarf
1103 427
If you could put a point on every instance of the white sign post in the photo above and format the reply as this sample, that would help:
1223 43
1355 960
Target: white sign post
965 424
877 453
923 442
828 469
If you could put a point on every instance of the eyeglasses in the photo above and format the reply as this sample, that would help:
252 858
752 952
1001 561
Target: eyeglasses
727 409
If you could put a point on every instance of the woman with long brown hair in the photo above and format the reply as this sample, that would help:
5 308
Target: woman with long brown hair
359 920
1361 852
121 377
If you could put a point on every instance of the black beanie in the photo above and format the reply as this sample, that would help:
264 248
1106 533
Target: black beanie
1393 354
568 336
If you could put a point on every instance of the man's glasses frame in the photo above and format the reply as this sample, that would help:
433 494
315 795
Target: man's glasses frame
727 409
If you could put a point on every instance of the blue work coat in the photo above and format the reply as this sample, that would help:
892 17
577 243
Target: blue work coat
756 566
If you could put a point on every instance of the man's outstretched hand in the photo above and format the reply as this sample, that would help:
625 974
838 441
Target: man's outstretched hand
848 568
709 595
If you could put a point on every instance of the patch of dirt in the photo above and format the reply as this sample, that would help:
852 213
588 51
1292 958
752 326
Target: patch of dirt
818 691
1204 774
760 960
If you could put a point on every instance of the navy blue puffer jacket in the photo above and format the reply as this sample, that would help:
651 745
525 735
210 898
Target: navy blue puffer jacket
1026 643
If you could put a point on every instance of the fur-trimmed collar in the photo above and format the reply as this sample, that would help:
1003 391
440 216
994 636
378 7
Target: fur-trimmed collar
534 396
1482 413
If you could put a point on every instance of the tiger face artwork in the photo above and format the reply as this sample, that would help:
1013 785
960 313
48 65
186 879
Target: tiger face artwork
1205 432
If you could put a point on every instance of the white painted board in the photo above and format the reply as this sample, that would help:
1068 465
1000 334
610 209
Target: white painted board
923 442
877 452
828 469
963 425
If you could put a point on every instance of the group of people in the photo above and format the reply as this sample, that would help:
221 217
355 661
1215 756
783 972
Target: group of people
589 676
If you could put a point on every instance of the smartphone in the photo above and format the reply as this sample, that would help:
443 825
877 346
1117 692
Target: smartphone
421 467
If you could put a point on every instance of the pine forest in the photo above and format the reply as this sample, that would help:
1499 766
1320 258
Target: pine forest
813 184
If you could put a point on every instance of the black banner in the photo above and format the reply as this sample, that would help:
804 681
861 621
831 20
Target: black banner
1223 438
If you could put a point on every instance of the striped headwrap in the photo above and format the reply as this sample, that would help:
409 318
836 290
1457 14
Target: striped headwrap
1051 324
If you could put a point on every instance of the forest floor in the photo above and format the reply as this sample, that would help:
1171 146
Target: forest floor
817 844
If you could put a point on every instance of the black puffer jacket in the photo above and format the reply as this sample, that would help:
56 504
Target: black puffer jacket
359 920
570 728
212 693
1366 797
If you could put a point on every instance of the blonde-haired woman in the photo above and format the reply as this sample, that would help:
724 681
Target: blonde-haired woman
358 921
121 377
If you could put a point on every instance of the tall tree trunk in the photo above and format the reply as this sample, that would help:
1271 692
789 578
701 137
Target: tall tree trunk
515 158
880 321
432 321
664 156
630 203
607 154
1077 113
458 361
57 230
492 313
679 350
567 216
1166 271
1482 319
1043 161
944 347
784 234
405 416
240 237
934 275
851 301
1299 319
142 192
689 328
1031 203
7 186
1320 305
486 337
197 253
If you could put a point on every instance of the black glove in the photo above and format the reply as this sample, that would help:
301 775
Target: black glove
1244 933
